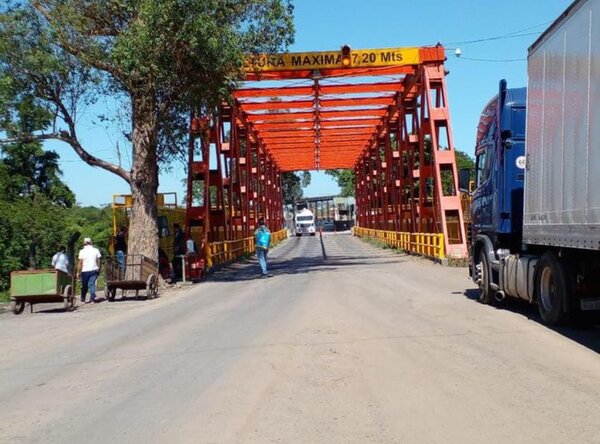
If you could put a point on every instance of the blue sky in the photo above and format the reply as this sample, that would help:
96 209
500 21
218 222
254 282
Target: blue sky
329 24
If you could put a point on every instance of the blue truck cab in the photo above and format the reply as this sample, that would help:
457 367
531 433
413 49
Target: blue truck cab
497 201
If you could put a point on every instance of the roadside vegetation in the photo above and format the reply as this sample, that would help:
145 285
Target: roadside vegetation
38 212
159 60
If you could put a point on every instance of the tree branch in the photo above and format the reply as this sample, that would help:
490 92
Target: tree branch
75 50
65 137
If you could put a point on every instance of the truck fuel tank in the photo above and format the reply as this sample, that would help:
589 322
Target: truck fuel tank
518 276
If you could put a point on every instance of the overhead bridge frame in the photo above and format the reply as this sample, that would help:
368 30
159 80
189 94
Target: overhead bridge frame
382 113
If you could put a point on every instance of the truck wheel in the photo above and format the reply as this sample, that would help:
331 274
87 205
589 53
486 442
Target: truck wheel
553 289
486 294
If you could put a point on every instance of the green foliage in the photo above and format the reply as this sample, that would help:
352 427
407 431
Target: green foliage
28 170
463 160
92 222
33 202
30 231
164 54
36 210
345 180
293 183
156 57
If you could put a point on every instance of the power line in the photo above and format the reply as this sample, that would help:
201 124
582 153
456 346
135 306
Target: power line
491 60
513 34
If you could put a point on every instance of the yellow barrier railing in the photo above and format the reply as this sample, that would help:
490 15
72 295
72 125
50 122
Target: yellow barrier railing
424 244
227 251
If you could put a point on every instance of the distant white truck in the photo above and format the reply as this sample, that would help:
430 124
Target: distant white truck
304 222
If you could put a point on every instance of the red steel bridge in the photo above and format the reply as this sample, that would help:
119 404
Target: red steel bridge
382 113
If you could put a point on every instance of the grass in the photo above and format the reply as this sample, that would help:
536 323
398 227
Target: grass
454 262
381 244
4 296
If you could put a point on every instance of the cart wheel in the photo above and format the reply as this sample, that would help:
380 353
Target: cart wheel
69 300
109 293
152 287
17 307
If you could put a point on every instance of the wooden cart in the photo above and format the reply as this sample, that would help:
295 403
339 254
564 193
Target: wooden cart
41 287
137 272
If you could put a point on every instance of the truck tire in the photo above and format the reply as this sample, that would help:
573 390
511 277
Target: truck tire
486 294
553 289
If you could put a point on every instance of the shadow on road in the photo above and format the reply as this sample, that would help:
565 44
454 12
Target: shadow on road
587 336
304 255
248 270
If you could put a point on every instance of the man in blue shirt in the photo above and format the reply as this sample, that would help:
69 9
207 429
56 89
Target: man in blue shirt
262 242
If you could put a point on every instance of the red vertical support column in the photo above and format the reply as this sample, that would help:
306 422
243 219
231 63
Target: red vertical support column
393 176
236 186
215 189
375 206
359 191
246 180
380 193
260 185
447 199
409 153
253 186
367 203
426 215
197 220
224 135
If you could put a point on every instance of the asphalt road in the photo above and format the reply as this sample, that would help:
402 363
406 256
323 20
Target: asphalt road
345 344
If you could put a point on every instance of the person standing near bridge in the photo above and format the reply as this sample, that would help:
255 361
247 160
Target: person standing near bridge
178 251
60 261
262 242
88 269
121 249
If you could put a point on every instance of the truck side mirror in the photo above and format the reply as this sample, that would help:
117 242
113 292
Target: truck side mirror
506 134
464 177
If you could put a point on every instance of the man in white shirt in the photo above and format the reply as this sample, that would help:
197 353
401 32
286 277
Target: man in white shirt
60 261
88 269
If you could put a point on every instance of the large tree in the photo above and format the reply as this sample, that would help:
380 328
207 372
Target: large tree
293 183
345 180
161 58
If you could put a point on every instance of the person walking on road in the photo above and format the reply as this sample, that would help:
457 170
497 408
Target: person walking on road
60 261
262 242
178 251
88 269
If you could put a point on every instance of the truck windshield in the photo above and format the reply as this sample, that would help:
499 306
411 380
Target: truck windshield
304 218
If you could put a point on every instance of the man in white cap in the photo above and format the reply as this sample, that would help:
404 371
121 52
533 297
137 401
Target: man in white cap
88 269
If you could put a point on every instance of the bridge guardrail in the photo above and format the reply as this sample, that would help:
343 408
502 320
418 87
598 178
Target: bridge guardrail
227 251
424 244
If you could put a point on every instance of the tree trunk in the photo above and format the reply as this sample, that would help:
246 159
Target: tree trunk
32 257
143 227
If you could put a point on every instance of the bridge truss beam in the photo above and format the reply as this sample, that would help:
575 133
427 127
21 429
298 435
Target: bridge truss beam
394 134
